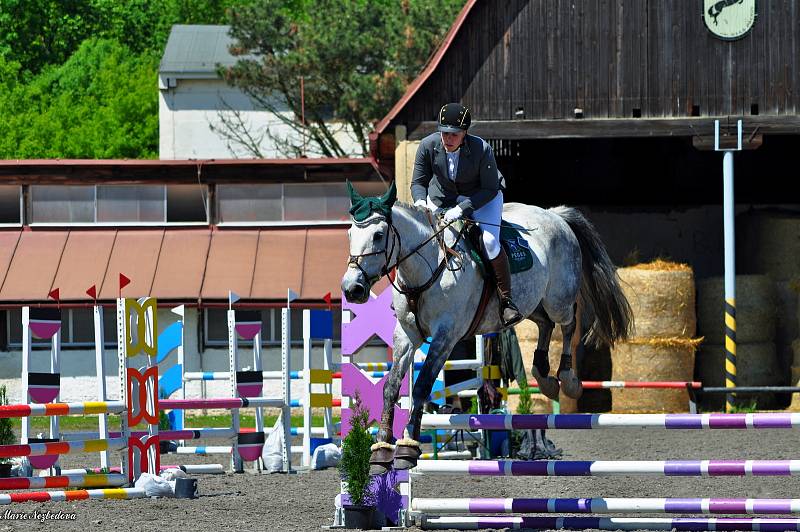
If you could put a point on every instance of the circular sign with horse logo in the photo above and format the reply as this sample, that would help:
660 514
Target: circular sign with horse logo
729 19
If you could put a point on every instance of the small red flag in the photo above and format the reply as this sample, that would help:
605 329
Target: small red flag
123 281
327 299
54 294
92 292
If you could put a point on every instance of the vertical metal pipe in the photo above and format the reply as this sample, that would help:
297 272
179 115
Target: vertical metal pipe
730 277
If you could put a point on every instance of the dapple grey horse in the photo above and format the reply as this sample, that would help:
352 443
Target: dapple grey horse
572 273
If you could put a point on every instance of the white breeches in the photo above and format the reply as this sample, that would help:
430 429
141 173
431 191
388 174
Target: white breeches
491 213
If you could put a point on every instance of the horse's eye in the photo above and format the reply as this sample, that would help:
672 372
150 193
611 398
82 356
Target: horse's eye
378 237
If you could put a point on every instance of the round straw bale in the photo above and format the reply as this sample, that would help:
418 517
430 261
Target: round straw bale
652 359
770 243
796 350
756 365
755 309
662 299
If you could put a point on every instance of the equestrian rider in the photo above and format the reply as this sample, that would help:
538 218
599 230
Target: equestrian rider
456 172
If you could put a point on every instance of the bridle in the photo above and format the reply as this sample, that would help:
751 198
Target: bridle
412 293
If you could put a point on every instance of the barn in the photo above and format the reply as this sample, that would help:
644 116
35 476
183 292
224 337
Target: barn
610 105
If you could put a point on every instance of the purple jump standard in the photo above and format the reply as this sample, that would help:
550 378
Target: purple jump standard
608 505
611 523
595 468
603 421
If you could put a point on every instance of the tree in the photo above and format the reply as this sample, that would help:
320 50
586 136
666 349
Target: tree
101 103
355 57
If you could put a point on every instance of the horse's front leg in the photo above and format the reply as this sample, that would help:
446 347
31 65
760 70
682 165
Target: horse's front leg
383 451
408 450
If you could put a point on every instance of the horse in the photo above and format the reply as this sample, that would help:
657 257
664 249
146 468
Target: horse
572 275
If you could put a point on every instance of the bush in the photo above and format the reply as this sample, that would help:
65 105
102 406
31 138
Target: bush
7 436
354 466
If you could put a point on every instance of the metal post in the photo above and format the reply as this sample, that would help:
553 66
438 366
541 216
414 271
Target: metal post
233 365
286 367
728 207
100 368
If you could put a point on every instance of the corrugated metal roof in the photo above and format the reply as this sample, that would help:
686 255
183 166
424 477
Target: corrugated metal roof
196 49
175 264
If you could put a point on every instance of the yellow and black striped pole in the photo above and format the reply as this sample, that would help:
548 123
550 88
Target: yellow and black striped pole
730 262
730 350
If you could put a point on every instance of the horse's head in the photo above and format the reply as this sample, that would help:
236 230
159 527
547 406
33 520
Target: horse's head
371 244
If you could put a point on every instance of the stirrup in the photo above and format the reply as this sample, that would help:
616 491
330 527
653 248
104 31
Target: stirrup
506 303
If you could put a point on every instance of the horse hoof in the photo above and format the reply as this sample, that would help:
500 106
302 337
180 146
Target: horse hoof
548 386
380 461
406 455
572 385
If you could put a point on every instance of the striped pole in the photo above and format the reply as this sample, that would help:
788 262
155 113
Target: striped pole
62 447
190 469
611 421
185 434
221 402
61 409
608 505
611 523
78 480
73 495
604 468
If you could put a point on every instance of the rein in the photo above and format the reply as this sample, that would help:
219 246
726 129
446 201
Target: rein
412 293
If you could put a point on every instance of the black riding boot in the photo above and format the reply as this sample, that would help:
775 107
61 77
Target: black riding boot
509 313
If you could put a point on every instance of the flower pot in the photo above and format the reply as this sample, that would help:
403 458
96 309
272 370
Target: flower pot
358 516
5 470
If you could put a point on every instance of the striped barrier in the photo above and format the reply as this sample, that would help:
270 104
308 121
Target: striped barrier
41 449
189 469
603 468
609 505
61 409
73 495
77 480
612 523
611 421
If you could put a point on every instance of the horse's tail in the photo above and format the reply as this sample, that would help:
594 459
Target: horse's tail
605 305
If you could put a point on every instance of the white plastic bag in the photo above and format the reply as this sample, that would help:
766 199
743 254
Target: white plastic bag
327 455
155 486
171 474
272 453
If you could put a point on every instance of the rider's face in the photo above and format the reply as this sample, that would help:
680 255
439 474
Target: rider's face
452 141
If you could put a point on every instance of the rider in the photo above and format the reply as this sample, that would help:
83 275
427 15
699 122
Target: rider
457 172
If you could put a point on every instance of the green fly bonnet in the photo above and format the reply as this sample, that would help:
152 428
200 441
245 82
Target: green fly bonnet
361 208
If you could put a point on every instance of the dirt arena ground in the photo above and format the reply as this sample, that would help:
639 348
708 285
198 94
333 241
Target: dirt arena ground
305 501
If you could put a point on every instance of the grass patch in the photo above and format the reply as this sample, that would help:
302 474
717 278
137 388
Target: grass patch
87 423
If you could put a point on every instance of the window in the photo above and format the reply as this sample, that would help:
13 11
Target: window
249 203
216 327
113 204
131 203
10 204
64 204
328 202
77 328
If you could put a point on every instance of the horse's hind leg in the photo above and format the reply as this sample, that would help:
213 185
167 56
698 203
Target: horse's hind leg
570 382
548 385
380 461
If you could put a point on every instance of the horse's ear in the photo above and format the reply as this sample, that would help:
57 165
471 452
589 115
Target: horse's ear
390 196
355 197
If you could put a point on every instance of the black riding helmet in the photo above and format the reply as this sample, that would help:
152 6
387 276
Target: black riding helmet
454 118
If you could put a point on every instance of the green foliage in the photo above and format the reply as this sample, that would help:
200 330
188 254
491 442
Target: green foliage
524 406
38 33
7 436
356 60
354 466
102 103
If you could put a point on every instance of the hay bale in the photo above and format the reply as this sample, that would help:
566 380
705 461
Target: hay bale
770 243
796 351
661 295
755 309
756 365
652 359
786 326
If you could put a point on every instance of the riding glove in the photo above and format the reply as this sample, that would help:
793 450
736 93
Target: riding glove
453 214
421 203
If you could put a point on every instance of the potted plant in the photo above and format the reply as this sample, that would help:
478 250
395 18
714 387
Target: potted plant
354 468
7 436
